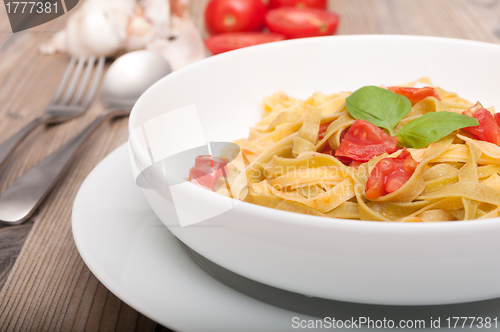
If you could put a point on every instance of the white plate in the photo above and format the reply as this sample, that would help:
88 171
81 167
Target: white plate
135 256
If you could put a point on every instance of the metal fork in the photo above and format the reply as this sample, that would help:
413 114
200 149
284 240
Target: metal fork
63 107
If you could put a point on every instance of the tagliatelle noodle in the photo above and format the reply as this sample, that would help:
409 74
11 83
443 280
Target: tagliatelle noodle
493 181
295 207
333 134
347 210
342 121
284 117
281 165
475 191
468 173
323 202
240 185
308 176
308 133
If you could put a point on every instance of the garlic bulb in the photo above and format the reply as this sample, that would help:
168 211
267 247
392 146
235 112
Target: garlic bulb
184 47
110 27
151 21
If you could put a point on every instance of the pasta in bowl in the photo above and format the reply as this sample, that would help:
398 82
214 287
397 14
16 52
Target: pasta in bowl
340 258
437 160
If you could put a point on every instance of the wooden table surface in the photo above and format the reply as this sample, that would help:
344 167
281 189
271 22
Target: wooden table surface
44 283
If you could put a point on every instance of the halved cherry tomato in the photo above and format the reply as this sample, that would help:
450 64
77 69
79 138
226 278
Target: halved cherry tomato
301 23
235 15
233 40
320 4
207 170
390 174
415 94
488 129
365 141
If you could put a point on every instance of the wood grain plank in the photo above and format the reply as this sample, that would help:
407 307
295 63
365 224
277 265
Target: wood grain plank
11 241
443 18
56 290
486 14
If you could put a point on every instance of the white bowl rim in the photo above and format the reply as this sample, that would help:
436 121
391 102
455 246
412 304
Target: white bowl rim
400 228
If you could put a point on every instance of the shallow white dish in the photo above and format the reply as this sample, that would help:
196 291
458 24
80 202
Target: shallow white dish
368 262
132 253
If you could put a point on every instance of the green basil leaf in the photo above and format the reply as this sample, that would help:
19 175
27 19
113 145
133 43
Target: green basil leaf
431 127
380 107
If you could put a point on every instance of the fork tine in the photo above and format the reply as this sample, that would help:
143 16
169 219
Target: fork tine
83 84
95 82
74 79
64 80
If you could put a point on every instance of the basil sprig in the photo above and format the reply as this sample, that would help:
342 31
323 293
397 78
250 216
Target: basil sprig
384 108
379 106
431 127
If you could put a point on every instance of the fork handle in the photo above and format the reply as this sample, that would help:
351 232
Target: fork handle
26 193
10 144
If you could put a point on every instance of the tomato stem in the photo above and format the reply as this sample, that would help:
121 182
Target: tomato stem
229 20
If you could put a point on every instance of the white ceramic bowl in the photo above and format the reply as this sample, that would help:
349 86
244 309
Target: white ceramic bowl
358 261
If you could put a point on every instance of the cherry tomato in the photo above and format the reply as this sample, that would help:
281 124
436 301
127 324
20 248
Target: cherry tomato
320 4
365 141
390 174
225 42
206 171
488 129
301 23
235 15
415 94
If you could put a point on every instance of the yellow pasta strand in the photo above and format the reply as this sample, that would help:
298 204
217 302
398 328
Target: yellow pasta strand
279 165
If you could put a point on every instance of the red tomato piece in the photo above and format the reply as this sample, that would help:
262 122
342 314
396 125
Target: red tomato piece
235 15
375 186
355 164
346 161
322 130
415 94
319 4
302 23
488 129
390 174
328 150
395 180
207 170
226 42
365 141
